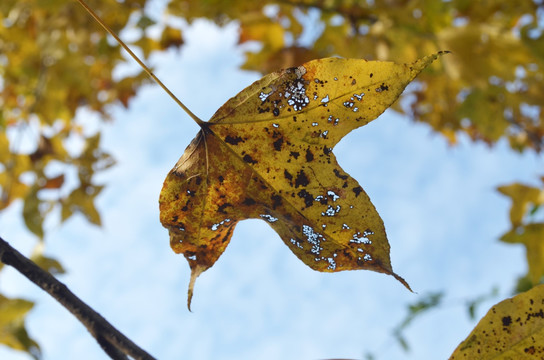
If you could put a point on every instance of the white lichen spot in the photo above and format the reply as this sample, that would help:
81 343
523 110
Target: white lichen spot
315 96
367 257
330 118
263 96
336 121
325 100
324 226
269 218
191 257
315 124
331 211
330 260
314 238
214 227
345 227
296 243
355 109
348 104
335 79
360 250
300 71
325 133
333 195
359 238
298 99
319 198
359 96
332 264
276 125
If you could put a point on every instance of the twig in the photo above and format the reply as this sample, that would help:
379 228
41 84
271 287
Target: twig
111 340
196 119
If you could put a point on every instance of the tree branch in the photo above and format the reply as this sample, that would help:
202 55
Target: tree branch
111 340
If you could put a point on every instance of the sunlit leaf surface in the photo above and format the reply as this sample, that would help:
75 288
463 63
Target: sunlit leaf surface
267 154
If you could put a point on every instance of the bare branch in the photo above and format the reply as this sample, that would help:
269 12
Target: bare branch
111 340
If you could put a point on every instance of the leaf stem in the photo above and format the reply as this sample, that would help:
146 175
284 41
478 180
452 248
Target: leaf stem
140 62
111 340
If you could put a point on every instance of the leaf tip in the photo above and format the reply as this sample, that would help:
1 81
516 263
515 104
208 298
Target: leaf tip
403 282
195 272
425 61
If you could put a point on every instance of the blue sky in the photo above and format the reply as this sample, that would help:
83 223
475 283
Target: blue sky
442 215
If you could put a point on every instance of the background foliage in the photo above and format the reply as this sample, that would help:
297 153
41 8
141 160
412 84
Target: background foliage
55 62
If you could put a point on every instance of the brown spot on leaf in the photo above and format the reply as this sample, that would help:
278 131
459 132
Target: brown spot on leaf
276 201
506 321
222 208
294 154
278 143
338 175
249 159
539 314
308 198
302 179
309 155
382 87
287 175
248 201
357 190
233 140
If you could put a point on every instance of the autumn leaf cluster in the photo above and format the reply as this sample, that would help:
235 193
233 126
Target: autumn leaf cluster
489 87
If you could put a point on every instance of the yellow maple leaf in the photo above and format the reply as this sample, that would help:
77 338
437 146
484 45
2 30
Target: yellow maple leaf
267 154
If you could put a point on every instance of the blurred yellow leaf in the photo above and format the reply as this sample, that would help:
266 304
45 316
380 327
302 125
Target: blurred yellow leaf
532 236
55 61
170 37
82 200
484 90
32 213
45 262
270 33
12 326
522 197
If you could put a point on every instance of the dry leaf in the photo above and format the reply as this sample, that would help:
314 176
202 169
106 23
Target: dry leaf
267 154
